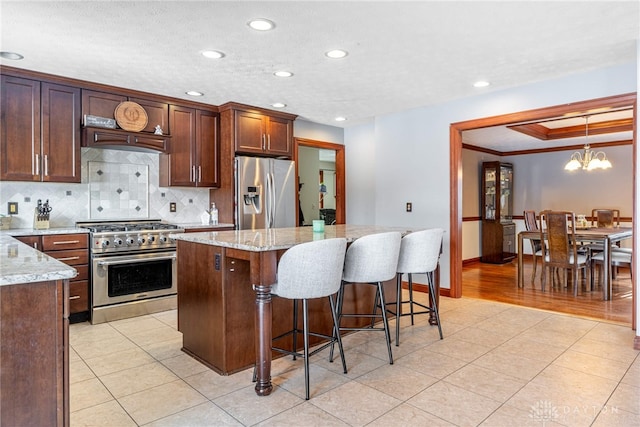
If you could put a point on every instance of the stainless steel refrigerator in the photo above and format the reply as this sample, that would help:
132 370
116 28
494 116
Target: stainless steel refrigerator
265 193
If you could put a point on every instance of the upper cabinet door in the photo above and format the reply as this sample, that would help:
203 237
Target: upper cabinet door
100 104
20 148
182 168
207 148
250 132
60 133
280 136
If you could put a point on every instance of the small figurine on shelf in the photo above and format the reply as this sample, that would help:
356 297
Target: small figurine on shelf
158 130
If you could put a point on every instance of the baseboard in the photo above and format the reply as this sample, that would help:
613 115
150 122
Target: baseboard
418 287
636 343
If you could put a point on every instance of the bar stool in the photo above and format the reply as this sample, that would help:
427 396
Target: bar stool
370 260
419 254
308 271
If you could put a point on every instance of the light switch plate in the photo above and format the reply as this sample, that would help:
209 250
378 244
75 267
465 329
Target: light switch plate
172 207
12 208
409 206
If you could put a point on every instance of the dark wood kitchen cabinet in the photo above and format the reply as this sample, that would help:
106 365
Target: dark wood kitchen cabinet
103 104
73 250
34 354
261 132
40 136
192 160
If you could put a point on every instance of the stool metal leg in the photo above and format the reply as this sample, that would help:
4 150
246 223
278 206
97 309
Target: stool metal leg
305 331
434 305
411 296
385 321
295 326
398 306
336 328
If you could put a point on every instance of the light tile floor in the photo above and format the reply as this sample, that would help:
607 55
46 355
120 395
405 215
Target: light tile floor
498 365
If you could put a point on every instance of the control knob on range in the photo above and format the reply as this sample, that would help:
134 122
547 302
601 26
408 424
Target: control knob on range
129 241
104 243
151 239
117 241
163 238
141 240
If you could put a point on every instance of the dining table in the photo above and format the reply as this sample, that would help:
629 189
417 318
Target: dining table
603 235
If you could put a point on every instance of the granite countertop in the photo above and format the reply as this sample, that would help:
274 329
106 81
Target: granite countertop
191 225
34 232
20 263
280 238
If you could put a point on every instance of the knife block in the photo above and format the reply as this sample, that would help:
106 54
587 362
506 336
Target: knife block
40 222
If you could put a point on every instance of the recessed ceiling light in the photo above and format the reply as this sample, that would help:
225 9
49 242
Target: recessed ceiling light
194 93
336 54
340 119
481 83
212 54
261 24
11 55
278 105
283 74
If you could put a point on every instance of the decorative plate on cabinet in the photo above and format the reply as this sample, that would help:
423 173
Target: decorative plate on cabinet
131 116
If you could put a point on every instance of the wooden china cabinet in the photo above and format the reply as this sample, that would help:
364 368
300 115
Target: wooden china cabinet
498 228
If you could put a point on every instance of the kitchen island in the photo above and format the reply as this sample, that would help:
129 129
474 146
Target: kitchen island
34 336
225 310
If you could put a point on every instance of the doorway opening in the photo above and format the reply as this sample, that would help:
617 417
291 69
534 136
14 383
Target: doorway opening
456 145
320 172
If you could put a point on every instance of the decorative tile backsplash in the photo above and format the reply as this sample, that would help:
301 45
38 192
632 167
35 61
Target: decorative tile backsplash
80 202
118 190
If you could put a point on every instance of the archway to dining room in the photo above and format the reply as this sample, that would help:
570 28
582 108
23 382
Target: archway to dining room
456 177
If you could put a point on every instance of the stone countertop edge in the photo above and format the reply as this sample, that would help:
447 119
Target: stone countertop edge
39 232
20 263
262 240
190 225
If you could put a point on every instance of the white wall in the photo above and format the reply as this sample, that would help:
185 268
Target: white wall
406 154
309 130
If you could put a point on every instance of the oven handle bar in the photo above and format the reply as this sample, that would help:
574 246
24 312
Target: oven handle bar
129 261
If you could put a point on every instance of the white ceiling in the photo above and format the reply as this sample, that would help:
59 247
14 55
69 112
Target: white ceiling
401 54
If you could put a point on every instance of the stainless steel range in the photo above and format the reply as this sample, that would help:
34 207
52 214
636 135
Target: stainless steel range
133 268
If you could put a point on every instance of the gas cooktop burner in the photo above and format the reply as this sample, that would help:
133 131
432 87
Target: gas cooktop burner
111 237
126 226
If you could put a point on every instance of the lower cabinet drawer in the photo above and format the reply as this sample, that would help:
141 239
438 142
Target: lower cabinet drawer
79 296
71 257
83 272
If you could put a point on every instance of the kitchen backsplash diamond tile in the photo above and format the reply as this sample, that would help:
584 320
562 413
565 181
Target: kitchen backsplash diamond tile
106 183
71 202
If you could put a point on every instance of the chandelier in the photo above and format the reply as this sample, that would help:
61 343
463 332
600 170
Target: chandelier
589 160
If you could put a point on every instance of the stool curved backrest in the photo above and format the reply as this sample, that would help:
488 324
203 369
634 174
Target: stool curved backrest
420 251
311 270
372 258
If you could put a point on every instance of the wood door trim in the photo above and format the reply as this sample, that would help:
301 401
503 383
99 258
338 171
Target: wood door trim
340 171
455 170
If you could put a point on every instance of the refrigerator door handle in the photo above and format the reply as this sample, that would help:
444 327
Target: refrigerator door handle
267 200
273 200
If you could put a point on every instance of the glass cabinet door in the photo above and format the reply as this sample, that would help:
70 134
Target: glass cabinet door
490 193
506 190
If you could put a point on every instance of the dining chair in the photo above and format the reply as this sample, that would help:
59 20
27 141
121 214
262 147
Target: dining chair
531 224
622 257
605 218
308 271
419 254
559 247
370 260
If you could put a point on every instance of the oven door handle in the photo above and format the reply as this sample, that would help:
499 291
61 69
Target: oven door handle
129 261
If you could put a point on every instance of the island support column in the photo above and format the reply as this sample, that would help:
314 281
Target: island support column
263 275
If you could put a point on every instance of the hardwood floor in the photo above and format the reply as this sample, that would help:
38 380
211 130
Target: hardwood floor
498 282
